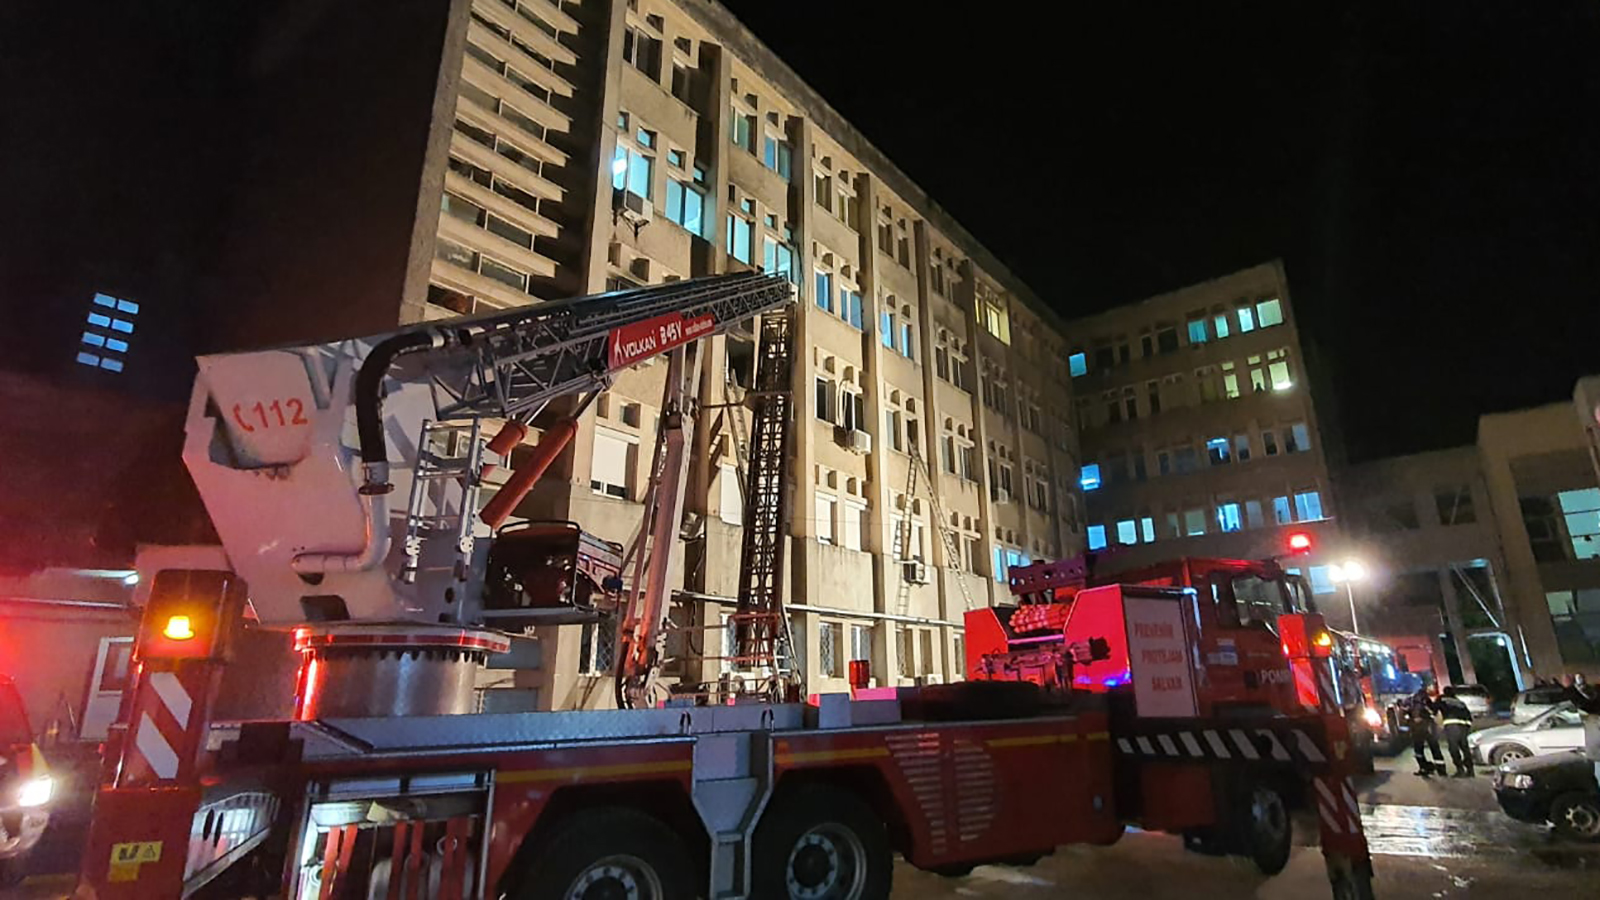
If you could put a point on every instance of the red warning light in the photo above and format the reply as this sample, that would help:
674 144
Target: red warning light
1300 542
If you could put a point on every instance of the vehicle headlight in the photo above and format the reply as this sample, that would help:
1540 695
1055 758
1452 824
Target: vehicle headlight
35 791
1519 782
1373 719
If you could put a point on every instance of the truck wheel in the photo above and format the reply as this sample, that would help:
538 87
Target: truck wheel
610 852
1508 752
1577 816
1265 832
822 843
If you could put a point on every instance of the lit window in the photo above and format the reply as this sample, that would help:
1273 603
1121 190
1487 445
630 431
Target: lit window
1228 517
1127 532
739 234
1147 528
1090 478
98 333
1280 510
824 524
1218 451
886 329
1581 509
1078 364
1097 537
1308 506
1194 522
1197 331
1247 320
1299 438
850 306
1269 313
686 206
1221 325
1321 583
608 471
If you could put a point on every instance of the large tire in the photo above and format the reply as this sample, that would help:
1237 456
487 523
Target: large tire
610 852
1264 830
1507 752
821 843
1576 816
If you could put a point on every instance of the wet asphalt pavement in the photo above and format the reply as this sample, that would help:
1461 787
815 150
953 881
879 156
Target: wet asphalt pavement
1430 839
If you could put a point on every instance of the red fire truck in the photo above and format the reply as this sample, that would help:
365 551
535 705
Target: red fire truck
386 783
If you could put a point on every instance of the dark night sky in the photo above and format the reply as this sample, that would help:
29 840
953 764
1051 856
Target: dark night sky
1429 172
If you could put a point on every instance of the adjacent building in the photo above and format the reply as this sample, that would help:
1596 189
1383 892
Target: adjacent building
1544 488
1200 428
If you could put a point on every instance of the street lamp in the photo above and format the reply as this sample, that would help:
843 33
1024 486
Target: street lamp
1348 573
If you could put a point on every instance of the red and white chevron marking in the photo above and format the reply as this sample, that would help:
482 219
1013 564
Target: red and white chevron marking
1248 744
160 731
1327 696
1337 805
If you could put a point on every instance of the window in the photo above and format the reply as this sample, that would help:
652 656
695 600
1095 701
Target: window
642 51
1252 514
1581 511
740 231
1097 537
1167 340
853 411
1194 522
860 642
822 187
1575 618
1398 515
686 205
1163 463
744 127
825 290
1298 438
778 259
1205 379
1197 331
1220 323
891 427
1127 532
1228 517
1258 374
1147 529
992 315
1090 478
1269 443
825 399
1153 394
829 639
502 273
1308 506
941 361
907 344
1217 451
824 523
1280 511
1241 447
1230 381
1247 320
631 170
777 156
850 306
1455 505
1186 460
597 644
1278 370
1269 313
608 471
854 514
886 328
1321 581
109 322
730 499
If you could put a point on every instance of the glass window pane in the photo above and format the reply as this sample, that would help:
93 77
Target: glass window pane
1097 537
1269 313
1247 320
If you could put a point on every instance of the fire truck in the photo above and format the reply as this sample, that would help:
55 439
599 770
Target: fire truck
386 783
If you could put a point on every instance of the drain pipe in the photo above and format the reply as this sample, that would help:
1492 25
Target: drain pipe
375 487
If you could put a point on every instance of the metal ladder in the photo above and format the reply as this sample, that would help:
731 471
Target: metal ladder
952 547
449 455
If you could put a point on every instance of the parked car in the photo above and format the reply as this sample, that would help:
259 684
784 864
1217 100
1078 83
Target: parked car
25 786
1556 729
1534 701
1475 696
1558 788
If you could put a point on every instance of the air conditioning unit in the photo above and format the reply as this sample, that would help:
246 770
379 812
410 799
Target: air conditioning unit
914 571
854 440
632 207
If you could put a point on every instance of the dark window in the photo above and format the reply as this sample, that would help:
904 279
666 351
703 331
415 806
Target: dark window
1167 340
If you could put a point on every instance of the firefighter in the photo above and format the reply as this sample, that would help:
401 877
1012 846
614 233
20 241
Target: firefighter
1419 718
1457 721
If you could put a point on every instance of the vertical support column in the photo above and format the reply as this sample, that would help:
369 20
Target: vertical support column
879 541
1458 633
966 300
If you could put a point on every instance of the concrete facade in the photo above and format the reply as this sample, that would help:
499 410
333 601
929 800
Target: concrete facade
1423 528
1200 431
584 147
1544 486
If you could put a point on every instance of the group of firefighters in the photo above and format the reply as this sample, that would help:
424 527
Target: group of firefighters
1428 711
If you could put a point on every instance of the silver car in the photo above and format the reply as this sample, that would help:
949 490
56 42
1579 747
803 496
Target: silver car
1534 701
1475 696
1552 731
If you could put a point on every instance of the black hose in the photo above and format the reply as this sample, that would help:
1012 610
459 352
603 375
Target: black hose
369 395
